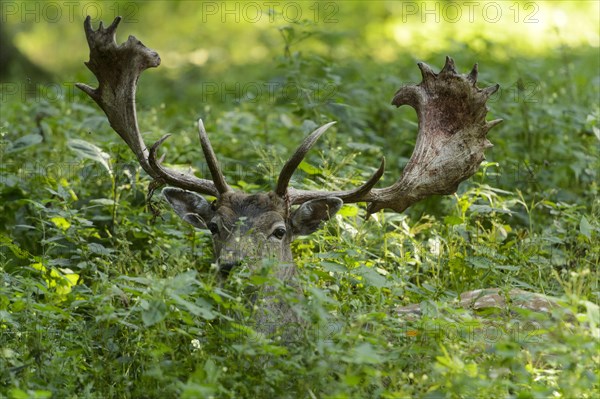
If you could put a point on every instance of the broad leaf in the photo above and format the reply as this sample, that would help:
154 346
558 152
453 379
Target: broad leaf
90 151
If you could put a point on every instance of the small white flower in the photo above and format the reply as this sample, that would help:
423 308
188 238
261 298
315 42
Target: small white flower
196 345
435 246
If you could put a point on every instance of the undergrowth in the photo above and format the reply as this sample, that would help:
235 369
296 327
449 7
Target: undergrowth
103 295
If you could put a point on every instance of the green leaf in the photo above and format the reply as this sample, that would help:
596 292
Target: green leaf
333 267
274 349
309 169
203 311
308 125
99 249
479 262
212 371
139 280
103 201
42 394
61 223
17 393
585 227
24 142
348 211
153 312
487 209
371 277
90 151
184 283
453 220
364 354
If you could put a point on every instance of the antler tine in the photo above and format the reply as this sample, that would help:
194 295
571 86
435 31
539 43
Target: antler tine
292 164
178 179
358 194
211 160
117 68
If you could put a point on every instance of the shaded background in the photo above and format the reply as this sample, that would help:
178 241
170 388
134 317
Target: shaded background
217 36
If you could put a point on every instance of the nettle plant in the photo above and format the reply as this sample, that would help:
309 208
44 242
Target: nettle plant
249 227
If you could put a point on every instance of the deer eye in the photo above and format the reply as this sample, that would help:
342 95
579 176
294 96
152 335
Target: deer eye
279 233
213 227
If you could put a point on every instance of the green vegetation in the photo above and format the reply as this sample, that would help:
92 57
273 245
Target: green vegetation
103 296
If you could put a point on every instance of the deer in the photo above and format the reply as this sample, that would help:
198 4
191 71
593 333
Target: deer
248 227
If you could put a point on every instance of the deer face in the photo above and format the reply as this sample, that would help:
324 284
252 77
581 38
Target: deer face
250 227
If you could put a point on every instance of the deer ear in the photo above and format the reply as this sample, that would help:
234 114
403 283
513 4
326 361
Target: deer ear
308 217
191 207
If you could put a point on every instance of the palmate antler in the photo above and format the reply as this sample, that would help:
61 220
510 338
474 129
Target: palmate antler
117 68
449 147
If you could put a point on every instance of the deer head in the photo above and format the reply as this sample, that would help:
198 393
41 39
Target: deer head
449 148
